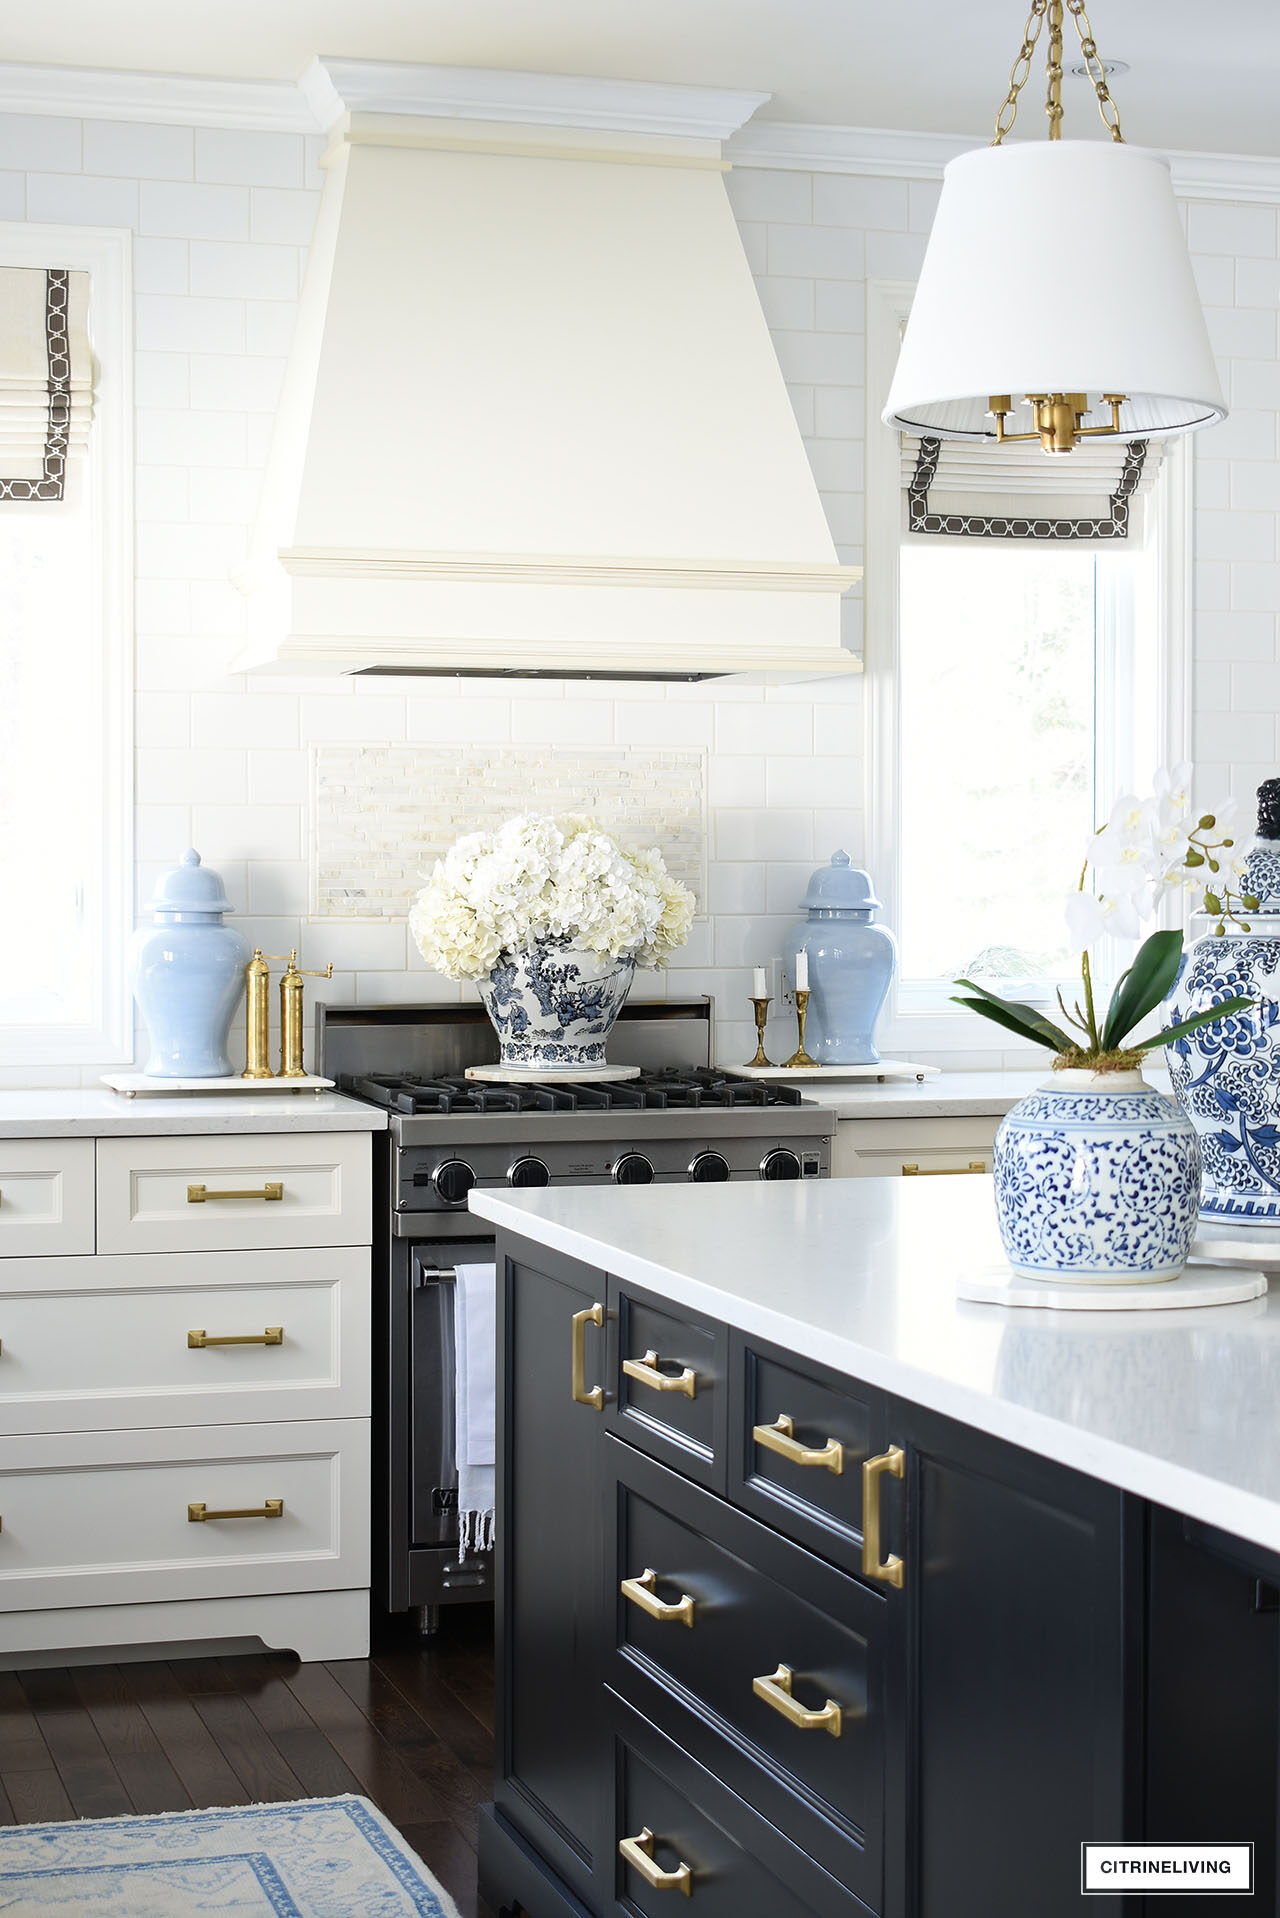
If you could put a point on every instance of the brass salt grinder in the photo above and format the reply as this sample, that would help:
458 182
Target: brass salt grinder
257 978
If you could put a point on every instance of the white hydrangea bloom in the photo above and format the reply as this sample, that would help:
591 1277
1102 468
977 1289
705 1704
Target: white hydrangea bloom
538 877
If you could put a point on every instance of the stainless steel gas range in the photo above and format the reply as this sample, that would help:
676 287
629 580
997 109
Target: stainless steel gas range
679 1121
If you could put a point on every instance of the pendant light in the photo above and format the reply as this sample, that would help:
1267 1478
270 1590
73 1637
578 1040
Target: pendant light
1056 301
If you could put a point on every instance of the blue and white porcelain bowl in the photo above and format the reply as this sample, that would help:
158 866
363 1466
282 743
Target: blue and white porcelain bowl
554 1006
1097 1181
1226 1077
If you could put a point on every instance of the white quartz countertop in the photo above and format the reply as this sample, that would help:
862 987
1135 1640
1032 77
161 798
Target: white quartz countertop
951 1095
99 1114
1181 1407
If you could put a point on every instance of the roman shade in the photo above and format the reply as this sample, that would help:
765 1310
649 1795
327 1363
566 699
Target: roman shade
957 489
46 379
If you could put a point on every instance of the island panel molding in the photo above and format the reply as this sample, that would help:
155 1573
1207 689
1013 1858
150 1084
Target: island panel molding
382 815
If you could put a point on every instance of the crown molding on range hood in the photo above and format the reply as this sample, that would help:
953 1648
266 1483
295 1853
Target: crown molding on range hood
533 421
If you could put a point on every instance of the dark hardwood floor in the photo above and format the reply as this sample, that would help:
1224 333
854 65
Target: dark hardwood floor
410 1728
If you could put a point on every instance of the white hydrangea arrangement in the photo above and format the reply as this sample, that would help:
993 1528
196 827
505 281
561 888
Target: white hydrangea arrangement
535 878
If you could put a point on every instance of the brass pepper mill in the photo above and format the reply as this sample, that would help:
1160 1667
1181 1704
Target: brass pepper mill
257 977
291 990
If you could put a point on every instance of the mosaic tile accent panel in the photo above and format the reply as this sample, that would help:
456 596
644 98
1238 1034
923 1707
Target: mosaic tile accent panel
382 815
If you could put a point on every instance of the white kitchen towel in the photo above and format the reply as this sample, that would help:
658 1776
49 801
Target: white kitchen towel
475 1347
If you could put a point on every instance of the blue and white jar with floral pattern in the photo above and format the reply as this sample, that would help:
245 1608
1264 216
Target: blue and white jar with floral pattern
1097 1181
1226 1076
554 1006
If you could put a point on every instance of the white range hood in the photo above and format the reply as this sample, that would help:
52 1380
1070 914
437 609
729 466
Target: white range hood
533 421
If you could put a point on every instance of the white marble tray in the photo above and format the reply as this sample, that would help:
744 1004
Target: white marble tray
1256 1246
887 1069
1198 1285
137 1084
528 1076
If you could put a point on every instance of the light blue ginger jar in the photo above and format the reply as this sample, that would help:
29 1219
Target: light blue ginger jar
851 962
1226 1076
1097 1179
187 974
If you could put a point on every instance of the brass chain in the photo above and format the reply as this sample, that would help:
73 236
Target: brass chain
1097 72
1020 69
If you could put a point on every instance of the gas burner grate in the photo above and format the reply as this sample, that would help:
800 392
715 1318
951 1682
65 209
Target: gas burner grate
673 1088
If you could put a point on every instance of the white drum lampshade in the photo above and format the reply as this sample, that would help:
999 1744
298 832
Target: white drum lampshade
1055 267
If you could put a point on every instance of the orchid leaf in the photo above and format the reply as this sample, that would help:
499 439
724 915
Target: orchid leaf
1226 1010
1007 1016
1140 990
1043 1030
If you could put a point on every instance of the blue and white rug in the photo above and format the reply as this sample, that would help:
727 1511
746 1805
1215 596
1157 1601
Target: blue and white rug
315 1858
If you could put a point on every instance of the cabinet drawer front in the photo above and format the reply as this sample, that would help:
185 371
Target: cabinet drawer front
892 1148
669 1376
46 1197
95 1344
809 1501
762 1610
104 1520
171 1195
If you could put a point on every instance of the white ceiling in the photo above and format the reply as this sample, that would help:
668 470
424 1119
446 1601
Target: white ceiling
1203 78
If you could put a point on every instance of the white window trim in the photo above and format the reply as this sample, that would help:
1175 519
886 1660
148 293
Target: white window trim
906 1031
106 254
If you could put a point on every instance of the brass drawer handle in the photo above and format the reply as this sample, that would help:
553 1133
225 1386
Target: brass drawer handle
641 1591
776 1691
780 1438
638 1853
646 1371
590 1315
892 1463
943 1171
273 1335
200 1514
197 1194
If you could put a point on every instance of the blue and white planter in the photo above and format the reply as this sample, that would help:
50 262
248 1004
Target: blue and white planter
554 1006
1097 1181
1226 1077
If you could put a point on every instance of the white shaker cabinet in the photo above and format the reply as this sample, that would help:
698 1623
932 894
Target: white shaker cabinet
184 1389
912 1148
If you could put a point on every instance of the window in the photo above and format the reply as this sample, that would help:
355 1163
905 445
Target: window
1015 687
65 703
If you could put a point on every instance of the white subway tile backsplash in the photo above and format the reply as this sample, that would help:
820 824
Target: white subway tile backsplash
161 266
566 722
1254 585
174 324
1236 635
735 779
269 327
229 720
1253 688
850 200
765 729
1236 736
137 151
36 143
840 306
762 834
820 358
182 435
662 723
192 212
282 216
1243 332
77 199
170 775
735 888
839 412
895 256
819 780
763 193
1257 283
816 252
228 269
357 719
786 302
160 379
1236 535
433 718
1218 227
248 832
249 159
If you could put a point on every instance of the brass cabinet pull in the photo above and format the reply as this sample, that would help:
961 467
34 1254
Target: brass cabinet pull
646 1371
780 1438
197 1194
776 1691
200 1514
641 1591
273 1335
590 1315
638 1853
893 1464
943 1171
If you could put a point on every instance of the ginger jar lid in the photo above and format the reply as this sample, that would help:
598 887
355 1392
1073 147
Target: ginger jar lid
190 887
840 886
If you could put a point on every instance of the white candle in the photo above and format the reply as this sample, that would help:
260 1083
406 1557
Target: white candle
759 990
802 972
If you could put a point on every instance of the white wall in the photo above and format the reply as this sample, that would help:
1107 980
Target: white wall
223 219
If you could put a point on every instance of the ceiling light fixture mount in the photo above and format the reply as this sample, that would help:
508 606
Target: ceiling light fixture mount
1119 317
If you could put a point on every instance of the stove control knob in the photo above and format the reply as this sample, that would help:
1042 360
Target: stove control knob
709 1168
528 1172
453 1180
633 1169
780 1164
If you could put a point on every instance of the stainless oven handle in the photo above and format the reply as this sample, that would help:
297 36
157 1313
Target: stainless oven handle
434 1274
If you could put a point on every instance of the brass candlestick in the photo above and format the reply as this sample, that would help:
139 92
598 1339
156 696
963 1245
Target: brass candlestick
762 1019
800 1057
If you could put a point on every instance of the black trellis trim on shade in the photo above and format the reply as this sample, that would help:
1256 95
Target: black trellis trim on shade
58 427
1114 525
